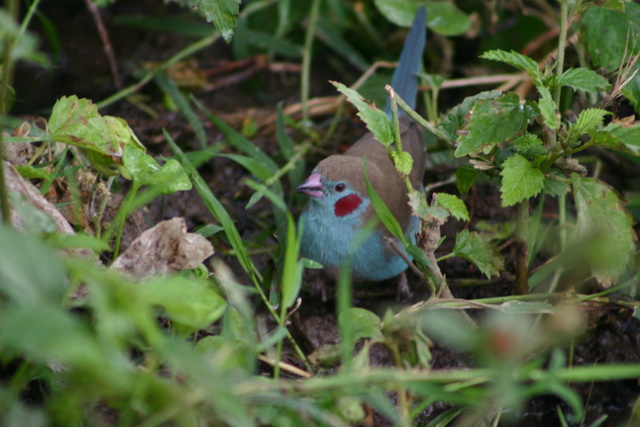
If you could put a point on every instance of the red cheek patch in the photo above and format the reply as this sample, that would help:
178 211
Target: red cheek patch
346 205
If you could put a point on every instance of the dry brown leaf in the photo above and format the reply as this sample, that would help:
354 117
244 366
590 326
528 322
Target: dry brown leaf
164 249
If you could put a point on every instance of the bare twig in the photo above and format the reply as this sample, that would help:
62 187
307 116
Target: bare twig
106 42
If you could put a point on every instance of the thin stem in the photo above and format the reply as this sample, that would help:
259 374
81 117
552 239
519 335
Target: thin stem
27 17
397 137
418 118
106 42
562 42
306 59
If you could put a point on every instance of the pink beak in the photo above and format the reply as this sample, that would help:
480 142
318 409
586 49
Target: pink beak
312 186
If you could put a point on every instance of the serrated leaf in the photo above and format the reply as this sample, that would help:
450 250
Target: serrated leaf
517 60
529 145
454 205
402 161
456 118
611 38
376 120
520 180
583 79
588 120
167 178
478 249
607 225
76 121
492 122
548 108
619 137
421 209
222 13
360 323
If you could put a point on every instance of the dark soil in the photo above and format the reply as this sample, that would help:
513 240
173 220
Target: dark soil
80 68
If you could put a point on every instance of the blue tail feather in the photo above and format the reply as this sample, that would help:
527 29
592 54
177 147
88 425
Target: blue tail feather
405 78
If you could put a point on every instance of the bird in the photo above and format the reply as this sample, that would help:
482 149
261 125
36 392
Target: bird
339 206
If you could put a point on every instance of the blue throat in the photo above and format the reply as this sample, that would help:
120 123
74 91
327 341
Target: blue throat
331 244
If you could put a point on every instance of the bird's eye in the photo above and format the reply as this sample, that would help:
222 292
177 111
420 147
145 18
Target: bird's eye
340 187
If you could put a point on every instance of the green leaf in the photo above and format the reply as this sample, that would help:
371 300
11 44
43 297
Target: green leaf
223 14
422 210
167 178
604 222
478 249
610 34
588 121
465 177
611 38
78 240
517 60
457 117
619 136
529 145
520 180
548 108
442 17
524 63
402 161
493 122
376 120
583 79
77 122
32 172
185 301
381 208
360 323
454 205
29 269
24 45
45 333
446 19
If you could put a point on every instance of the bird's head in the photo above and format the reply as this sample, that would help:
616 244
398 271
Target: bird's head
337 186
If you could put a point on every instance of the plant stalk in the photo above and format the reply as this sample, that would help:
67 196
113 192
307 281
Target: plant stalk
562 42
306 59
